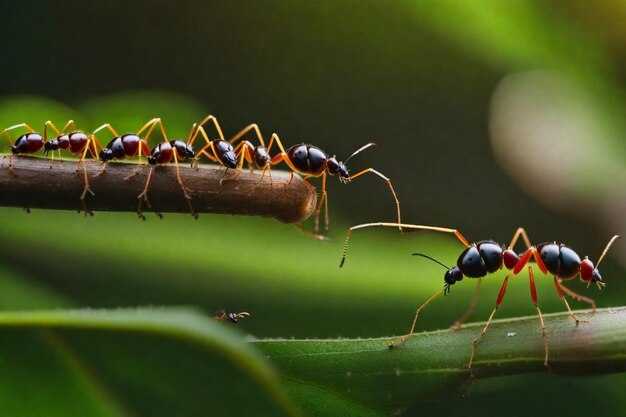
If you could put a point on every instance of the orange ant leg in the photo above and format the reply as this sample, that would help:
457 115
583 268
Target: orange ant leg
520 232
456 233
143 197
209 118
459 323
533 295
417 313
559 291
493 313
183 187
245 130
577 296
393 192
323 200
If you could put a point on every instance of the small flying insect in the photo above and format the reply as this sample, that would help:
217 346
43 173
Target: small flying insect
222 315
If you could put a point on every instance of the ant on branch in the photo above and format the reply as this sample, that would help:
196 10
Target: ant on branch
28 143
486 256
162 154
126 145
221 315
311 161
76 142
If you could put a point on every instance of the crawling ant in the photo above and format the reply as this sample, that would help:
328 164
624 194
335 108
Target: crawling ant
28 143
76 142
311 161
217 150
485 257
126 145
221 315
162 154
255 155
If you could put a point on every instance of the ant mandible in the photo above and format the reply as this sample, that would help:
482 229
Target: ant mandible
162 154
311 161
485 257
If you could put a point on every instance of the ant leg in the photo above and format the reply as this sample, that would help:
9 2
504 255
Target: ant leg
559 291
533 295
520 232
210 118
323 200
144 196
457 324
245 130
311 234
183 187
577 296
417 313
523 260
456 233
393 192
482 333
85 191
106 126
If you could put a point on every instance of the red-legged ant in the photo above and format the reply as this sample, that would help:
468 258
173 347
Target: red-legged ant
221 315
76 142
162 154
485 257
126 145
28 143
311 161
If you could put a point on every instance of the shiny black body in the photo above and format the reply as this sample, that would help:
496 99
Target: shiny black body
560 260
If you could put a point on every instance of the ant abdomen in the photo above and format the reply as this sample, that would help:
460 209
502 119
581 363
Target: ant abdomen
560 260
480 259
28 143
308 159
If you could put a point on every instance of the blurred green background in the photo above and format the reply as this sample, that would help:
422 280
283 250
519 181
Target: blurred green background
487 115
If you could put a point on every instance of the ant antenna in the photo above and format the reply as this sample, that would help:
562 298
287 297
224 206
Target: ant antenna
606 249
362 148
432 259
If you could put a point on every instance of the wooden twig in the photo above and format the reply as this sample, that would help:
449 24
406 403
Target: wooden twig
42 183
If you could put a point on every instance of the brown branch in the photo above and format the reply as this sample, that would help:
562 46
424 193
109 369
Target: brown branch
41 183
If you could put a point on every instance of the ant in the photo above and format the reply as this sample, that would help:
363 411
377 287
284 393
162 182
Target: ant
126 145
254 155
218 150
76 142
221 315
162 154
486 256
311 161
28 143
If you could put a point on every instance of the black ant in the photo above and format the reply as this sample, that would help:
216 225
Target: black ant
28 143
485 257
76 142
221 315
217 150
162 154
255 155
311 161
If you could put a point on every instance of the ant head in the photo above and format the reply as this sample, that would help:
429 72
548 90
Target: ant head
152 159
191 152
339 168
260 156
589 273
229 159
106 154
14 150
51 145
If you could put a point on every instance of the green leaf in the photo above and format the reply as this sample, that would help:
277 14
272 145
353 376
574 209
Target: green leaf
156 362
433 365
